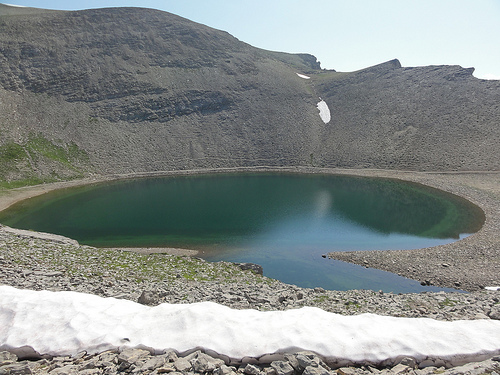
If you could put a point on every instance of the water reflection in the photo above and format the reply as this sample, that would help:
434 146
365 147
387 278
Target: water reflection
292 251
323 204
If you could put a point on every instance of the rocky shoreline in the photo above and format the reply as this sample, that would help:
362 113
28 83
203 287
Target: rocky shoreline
469 264
28 261
33 261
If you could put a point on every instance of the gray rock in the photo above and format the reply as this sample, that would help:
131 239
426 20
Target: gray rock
401 369
6 358
315 370
471 369
86 365
65 370
431 370
167 368
282 368
495 312
292 359
204 363
155 362
347 371
132 356
251 369
170 355
481 316
93 371
53 274
107 359
251 266
269 371
224 370
149 297
21 368
427 363
409 361
182 365
307 359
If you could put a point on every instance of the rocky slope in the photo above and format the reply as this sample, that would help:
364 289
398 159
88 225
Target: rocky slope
423 118
123 90
141 90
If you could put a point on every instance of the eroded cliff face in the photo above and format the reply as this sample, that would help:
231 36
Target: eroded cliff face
123 90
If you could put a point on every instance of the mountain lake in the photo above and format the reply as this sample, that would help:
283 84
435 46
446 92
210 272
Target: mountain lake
285 222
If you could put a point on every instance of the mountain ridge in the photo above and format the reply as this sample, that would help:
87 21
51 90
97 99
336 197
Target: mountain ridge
123 90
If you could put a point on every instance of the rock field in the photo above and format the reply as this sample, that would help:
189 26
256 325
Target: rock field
140 361
27 261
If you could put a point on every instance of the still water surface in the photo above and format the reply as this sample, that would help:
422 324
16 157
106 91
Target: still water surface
284 222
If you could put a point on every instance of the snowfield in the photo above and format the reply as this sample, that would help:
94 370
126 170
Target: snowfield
324 111
65 323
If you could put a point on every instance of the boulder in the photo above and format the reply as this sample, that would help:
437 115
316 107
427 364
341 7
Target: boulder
252 267
282 368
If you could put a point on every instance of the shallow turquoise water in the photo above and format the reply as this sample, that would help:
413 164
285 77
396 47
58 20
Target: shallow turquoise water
284 222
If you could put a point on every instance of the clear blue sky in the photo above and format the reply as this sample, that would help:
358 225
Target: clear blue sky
345 35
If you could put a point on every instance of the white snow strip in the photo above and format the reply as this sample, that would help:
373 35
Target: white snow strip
15 6
492 288
65 323
303 76
324 111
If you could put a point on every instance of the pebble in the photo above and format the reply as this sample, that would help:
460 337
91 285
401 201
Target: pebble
139 361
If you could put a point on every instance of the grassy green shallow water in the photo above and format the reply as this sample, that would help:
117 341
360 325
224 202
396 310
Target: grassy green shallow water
284 222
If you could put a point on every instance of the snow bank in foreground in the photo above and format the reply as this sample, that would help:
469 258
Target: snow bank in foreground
324 111
64 323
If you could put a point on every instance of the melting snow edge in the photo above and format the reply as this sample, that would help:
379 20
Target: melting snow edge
65 323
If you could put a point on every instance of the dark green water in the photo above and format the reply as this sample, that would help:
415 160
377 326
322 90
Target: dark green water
284 222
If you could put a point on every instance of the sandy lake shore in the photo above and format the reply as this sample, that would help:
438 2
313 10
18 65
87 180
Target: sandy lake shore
470 264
